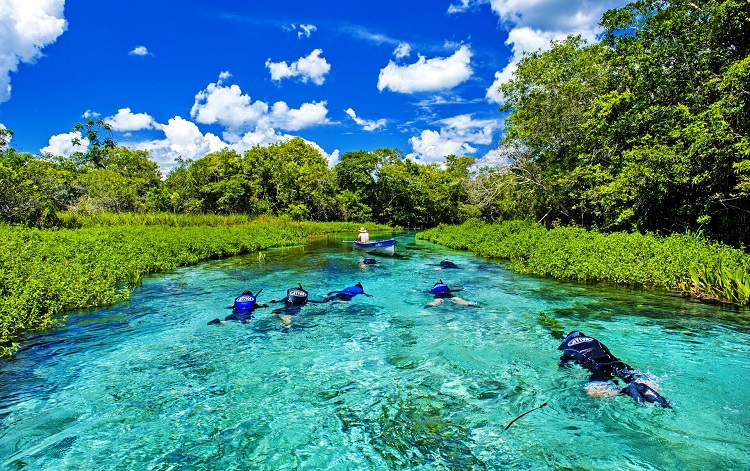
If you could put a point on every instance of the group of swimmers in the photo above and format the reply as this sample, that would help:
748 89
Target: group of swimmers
577 347
247 302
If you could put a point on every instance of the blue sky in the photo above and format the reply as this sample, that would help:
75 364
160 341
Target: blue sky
181 79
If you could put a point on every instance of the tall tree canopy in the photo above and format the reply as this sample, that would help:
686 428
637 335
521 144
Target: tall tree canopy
645 130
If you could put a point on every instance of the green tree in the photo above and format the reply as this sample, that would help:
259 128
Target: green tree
291 178
645 130
121 182
99 136
33 189
547 101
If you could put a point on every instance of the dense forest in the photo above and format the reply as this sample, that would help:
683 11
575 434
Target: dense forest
645 130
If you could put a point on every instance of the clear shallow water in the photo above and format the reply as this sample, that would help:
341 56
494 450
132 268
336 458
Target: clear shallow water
376 383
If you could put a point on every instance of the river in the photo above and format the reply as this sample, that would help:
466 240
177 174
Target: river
376 383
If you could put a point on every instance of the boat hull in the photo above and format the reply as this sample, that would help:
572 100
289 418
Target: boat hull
387 247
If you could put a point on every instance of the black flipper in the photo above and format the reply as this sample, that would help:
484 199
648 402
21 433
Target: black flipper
641 392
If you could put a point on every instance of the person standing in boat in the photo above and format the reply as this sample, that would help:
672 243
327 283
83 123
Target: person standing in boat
363 237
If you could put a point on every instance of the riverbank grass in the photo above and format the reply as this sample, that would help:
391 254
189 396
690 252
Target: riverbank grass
686 262
44 273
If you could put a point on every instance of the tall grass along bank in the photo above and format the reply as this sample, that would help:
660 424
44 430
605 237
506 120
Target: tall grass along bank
44 273
686 262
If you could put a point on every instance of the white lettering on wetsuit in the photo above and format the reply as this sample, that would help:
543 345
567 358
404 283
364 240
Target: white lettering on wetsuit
578 340
297 293
245 299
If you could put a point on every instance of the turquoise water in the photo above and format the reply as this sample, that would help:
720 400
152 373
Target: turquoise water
377 383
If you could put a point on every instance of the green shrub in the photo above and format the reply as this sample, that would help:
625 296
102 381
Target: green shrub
686 262
44 273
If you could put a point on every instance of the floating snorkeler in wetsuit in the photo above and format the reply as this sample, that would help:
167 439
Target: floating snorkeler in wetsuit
345 294
595 356
293 302
447 264
242 308
443 292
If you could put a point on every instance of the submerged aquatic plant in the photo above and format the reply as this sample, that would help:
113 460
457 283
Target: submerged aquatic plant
413 431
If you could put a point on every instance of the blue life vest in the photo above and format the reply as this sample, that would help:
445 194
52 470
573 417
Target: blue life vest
352 291
440 289
244 302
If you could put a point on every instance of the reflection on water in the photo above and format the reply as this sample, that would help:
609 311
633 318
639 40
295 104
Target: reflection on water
374 383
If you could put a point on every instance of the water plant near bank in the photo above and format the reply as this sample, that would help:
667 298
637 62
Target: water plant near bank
686 262
44 273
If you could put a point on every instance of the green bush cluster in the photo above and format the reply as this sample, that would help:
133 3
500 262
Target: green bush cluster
572 253
718 283
44 273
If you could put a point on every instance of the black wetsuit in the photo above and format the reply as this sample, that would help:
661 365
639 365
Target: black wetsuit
596 357
293 302
447 264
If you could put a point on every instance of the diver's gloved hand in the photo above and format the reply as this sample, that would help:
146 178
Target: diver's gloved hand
641 392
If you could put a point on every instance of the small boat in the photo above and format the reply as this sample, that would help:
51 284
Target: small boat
380 246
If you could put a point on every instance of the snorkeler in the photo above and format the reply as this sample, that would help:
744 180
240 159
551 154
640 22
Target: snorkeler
242 308
345 294
595 356
294 300
441 291
447 264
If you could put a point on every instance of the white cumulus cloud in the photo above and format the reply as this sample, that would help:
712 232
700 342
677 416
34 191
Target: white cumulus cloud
402 50
182 139
427 75
246 124
367 124
460 8
125 120
311 68
226 105
433 146
306 30
229 107
456 136
139 51
26 27
62 144
307 115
